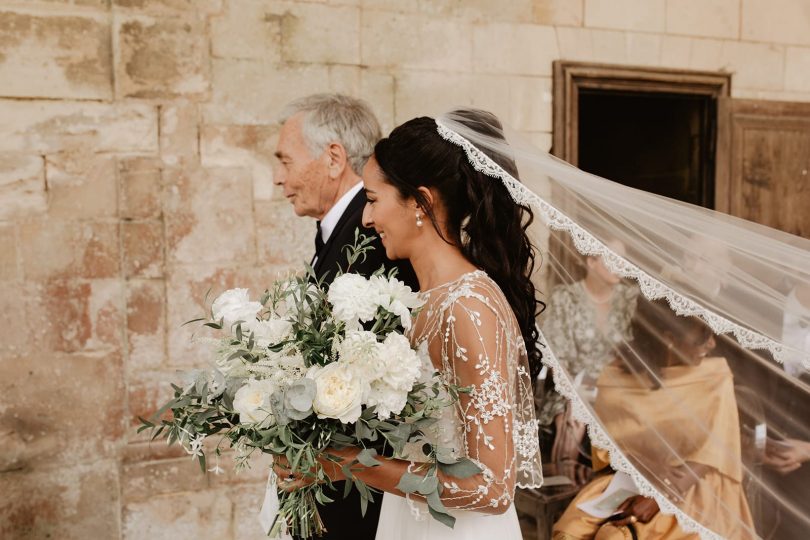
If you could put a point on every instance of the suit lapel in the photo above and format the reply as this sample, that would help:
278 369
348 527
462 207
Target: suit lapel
351 217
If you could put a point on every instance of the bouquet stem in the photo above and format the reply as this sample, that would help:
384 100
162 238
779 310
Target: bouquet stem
299 510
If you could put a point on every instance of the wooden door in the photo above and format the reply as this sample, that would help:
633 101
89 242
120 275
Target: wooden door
763 163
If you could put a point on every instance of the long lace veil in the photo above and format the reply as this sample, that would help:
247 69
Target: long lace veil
688 362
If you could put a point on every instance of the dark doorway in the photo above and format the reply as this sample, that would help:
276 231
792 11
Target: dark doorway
659 142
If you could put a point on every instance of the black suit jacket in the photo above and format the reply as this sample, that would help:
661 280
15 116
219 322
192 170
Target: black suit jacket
342 517
332 256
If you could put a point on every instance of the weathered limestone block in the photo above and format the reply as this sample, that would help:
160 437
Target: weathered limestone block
81 185
146 324
707 18
254 92
247 29
209 216
54 56
502 48
9 262
754 65
559 12
776 21
284 239
51 126
140 188
530 103
250 147
68 249
609 46
142 244
76 316
22 185
142 481
14 318
162 7
414 42
200 514
247 500
312 32
179 133
63 410
797 69
69 502
516 11
162 58
645 15
421 93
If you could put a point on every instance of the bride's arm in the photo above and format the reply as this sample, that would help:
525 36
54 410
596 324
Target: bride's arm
476 349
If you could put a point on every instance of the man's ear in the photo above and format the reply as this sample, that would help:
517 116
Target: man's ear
338 160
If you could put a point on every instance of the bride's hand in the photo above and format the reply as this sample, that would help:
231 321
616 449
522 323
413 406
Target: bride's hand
289 481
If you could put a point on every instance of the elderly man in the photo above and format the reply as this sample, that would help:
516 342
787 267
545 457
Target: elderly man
325 141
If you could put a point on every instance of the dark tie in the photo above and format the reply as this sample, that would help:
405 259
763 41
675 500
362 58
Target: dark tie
318 239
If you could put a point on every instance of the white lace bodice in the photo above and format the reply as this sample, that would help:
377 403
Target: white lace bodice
473 340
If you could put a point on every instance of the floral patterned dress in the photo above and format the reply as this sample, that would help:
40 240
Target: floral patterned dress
472 339
572 332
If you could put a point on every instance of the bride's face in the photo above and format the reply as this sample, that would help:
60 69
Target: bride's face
393 217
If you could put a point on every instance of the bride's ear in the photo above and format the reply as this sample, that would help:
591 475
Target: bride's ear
427 197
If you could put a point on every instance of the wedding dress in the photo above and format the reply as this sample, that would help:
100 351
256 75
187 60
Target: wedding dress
470 336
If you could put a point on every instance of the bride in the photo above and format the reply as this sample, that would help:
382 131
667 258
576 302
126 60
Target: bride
466 240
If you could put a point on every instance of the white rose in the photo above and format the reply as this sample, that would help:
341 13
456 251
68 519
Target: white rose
386 398
252 401
359 351
353 299
397 298
235 305
339 392
401 365
269 332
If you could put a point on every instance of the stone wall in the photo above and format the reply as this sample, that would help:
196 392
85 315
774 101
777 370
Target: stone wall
136 141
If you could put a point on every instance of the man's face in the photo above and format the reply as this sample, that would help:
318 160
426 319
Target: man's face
305 179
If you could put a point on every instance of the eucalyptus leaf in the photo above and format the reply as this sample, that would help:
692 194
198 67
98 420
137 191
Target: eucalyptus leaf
366 457
463 468
442 517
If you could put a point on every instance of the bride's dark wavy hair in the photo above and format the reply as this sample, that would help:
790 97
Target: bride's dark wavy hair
482 218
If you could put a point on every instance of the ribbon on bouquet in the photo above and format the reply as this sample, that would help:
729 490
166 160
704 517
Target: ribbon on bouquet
269 510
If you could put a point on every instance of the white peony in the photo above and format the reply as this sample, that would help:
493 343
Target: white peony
353 299
387 399
339 392
235 305
397 298
359 351
401 365
269 332
252 401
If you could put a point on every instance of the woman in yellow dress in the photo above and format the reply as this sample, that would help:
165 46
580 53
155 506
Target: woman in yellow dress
674 416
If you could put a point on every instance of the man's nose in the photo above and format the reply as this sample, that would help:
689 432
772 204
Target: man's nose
279 176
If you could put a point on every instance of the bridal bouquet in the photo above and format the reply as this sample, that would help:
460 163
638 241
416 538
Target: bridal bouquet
307 368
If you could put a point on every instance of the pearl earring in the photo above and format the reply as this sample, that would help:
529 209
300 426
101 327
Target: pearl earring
418 219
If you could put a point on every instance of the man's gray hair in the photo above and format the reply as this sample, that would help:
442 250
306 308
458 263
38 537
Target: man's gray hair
330 118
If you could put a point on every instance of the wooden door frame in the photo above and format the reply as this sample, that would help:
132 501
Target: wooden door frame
571 77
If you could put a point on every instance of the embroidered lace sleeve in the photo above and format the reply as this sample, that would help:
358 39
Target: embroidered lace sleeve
482 350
